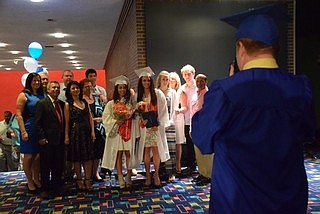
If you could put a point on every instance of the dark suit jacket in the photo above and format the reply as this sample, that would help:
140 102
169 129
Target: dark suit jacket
47 122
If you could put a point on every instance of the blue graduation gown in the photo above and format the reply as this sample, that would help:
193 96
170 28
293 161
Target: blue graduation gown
256 122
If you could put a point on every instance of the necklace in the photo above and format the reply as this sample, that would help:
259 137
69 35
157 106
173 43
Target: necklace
79 104
89 99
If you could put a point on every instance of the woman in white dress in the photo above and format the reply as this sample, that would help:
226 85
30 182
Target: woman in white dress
121 131
178 119
151 144
163 83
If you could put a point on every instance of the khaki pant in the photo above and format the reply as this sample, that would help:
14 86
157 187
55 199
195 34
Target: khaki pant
9 158
205 163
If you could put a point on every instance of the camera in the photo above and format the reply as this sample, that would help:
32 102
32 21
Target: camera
10 134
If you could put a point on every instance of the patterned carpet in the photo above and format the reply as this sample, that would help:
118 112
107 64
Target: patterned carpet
313 172
180 196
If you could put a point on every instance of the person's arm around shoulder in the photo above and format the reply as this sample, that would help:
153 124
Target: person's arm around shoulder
183 103
93 136
163 114
21 102
67 123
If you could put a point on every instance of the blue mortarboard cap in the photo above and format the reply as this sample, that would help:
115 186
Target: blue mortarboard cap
257 23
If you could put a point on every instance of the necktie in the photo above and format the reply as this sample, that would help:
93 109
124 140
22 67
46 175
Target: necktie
58 112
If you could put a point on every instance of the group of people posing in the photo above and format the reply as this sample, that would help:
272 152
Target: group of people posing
72 128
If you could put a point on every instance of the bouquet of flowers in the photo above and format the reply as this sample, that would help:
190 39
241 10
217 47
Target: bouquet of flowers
141 107
121 111
146 113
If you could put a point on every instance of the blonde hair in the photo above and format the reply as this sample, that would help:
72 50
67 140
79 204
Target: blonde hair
158 80
188 68
175 76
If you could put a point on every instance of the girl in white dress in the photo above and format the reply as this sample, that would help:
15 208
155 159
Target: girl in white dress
121 131
163 83
178 119
151 143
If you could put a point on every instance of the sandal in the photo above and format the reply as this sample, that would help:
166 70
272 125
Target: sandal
88 185
148 179
122 184
156 180
80 184
128 179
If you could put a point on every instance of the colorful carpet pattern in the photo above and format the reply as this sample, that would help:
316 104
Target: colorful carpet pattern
180 196
313 172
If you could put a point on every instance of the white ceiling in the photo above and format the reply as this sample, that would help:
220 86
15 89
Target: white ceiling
89 25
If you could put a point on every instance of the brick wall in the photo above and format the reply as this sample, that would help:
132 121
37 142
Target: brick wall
291 38
127 51
128 48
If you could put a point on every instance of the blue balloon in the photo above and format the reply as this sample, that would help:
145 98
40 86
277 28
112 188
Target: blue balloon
35 50
39 70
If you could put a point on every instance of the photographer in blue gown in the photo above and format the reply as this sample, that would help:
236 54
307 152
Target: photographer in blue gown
256 121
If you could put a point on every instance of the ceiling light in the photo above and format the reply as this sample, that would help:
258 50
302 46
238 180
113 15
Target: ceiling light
1 66
76 65
68 52
36 0
8 69
15 52
78 68
71 57
65 45
74 61
2 45
59 35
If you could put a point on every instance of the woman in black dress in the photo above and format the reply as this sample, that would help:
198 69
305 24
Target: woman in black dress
79 134
96 109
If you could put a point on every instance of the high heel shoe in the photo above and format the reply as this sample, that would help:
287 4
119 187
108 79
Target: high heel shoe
32 191
122 184
88 185
80 184
148 179
37 185
156 180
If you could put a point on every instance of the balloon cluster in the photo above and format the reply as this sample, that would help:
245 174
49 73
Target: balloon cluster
31 63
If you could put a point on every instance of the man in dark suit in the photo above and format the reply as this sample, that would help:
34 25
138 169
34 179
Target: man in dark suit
49 119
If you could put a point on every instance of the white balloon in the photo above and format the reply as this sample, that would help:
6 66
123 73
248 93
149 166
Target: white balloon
23 79
30 64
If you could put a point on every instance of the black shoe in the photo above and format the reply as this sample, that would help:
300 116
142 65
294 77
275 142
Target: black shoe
60 191
178 174
32 191
97 179
203 182
198 178
188 171
44 195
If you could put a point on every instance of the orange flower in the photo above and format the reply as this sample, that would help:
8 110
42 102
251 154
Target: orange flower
120 110
142 106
